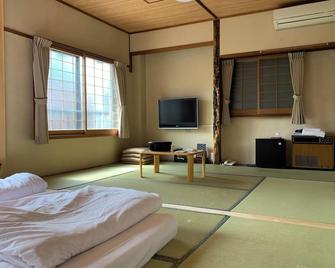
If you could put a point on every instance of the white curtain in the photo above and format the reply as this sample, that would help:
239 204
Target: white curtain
120 73
41 49
227 77
297 76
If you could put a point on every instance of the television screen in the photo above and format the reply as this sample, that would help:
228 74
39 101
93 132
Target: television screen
178 113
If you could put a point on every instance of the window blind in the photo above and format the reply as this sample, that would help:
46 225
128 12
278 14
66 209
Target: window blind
262 86
275 84
244 86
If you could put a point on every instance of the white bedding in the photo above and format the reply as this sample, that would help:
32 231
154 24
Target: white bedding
20 185
132 248
46 229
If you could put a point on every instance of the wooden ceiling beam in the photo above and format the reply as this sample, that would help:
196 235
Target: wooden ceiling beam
210 12
172 26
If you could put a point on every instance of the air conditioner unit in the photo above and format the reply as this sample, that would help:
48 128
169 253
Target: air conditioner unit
303 15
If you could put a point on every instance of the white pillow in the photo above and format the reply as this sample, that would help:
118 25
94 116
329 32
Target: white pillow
20 185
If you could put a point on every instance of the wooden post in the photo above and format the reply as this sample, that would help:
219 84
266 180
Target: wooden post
2 87
217 94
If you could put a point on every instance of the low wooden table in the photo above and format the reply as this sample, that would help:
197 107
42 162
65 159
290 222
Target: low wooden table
190 161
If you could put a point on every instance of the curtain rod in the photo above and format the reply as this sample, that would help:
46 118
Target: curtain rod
63 46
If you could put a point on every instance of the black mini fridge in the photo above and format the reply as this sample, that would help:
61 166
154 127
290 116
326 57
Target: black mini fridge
271 153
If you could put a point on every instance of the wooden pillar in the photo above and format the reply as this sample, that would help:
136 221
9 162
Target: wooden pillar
217 94
2 88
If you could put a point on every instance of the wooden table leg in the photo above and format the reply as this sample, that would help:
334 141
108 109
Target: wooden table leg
141 165
190 167
156 163
203 164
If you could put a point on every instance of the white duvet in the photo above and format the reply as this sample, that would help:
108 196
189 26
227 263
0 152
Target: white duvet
20 185
46 229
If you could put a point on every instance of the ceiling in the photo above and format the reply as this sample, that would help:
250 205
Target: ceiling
142 15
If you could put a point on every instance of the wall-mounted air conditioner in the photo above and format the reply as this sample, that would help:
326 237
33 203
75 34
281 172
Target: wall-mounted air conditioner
303 15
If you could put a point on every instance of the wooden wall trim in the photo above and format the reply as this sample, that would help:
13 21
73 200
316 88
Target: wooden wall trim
172 48
92 16
306 48
171 26
2 88
64 47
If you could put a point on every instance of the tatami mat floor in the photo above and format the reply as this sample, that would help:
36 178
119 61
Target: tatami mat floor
212 240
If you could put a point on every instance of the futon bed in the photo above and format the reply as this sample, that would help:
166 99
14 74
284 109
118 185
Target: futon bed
89 227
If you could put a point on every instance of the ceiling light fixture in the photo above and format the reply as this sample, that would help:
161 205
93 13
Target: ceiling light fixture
183 1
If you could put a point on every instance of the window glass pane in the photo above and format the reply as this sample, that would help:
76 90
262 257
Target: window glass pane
102 107
65 92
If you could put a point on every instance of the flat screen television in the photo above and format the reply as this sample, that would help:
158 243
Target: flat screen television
178 113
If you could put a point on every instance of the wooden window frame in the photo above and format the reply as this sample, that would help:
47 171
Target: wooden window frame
260 112
84 133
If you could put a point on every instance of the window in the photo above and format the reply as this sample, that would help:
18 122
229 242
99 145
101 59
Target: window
262 86
65 92
102 108
81 95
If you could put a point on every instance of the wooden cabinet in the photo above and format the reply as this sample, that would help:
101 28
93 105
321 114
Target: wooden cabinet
313 155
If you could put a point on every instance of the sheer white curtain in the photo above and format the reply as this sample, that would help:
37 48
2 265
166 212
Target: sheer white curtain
297 77
121 85
41 49
227 77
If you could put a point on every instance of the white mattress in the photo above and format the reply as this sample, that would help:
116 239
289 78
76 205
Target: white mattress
67 223
132 248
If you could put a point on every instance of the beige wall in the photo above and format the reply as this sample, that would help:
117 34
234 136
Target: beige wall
238 34
184 73
189 73
136 101
165 75
319 103
53 20
175 36
256 32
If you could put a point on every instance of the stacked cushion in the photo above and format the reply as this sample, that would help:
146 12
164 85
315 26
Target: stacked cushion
132 156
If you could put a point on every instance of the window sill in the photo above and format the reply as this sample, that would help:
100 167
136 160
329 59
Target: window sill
82 134
262 112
